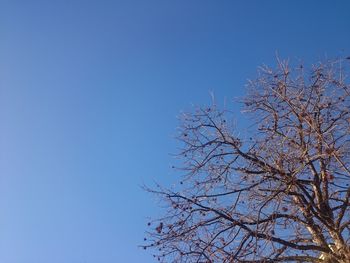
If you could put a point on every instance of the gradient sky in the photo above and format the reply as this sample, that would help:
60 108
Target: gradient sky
89 94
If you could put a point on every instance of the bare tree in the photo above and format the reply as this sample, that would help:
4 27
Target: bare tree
281 195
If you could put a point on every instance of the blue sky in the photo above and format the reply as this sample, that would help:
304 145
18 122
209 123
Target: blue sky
89 94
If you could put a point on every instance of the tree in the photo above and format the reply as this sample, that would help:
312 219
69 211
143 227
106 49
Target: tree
279 194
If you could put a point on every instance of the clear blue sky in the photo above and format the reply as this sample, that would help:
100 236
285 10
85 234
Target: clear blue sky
89 94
